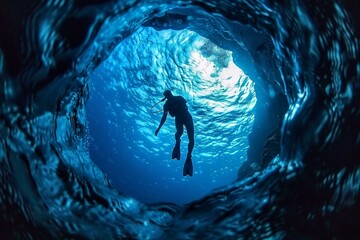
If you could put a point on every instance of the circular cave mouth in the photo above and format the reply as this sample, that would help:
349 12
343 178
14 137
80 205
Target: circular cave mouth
220 96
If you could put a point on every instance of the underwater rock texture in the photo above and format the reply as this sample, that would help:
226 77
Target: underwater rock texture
51 189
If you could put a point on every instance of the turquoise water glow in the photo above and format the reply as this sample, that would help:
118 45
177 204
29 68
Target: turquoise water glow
219 95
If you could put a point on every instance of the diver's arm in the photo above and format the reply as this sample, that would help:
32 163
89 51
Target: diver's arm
163 119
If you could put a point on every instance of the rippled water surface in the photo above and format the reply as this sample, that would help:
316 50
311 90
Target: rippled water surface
219 95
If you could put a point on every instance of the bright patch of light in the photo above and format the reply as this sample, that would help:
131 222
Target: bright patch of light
218 82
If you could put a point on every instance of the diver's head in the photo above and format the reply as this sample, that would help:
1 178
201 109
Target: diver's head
167 94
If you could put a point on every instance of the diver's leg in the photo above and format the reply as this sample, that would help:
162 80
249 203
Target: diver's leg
179 132
188 166
189 124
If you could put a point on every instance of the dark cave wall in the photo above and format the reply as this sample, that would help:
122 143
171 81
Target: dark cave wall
264 140
271 106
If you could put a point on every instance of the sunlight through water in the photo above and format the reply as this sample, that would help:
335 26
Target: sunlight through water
220 97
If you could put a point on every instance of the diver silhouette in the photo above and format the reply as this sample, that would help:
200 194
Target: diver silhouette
176 107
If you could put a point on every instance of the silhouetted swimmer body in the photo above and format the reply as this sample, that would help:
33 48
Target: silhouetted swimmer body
176 107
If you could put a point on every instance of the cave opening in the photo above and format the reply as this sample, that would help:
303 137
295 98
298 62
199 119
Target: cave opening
51 188
220 96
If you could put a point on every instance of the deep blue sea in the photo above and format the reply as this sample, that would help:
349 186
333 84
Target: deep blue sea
124 88
272 86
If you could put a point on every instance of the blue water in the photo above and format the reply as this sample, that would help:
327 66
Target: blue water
275 157
220 96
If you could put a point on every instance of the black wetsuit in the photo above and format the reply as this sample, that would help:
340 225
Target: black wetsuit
176 106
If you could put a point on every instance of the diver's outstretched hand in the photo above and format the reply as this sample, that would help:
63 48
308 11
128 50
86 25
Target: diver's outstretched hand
157 132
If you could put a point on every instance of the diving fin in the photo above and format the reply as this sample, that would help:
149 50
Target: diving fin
188 167
176 151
